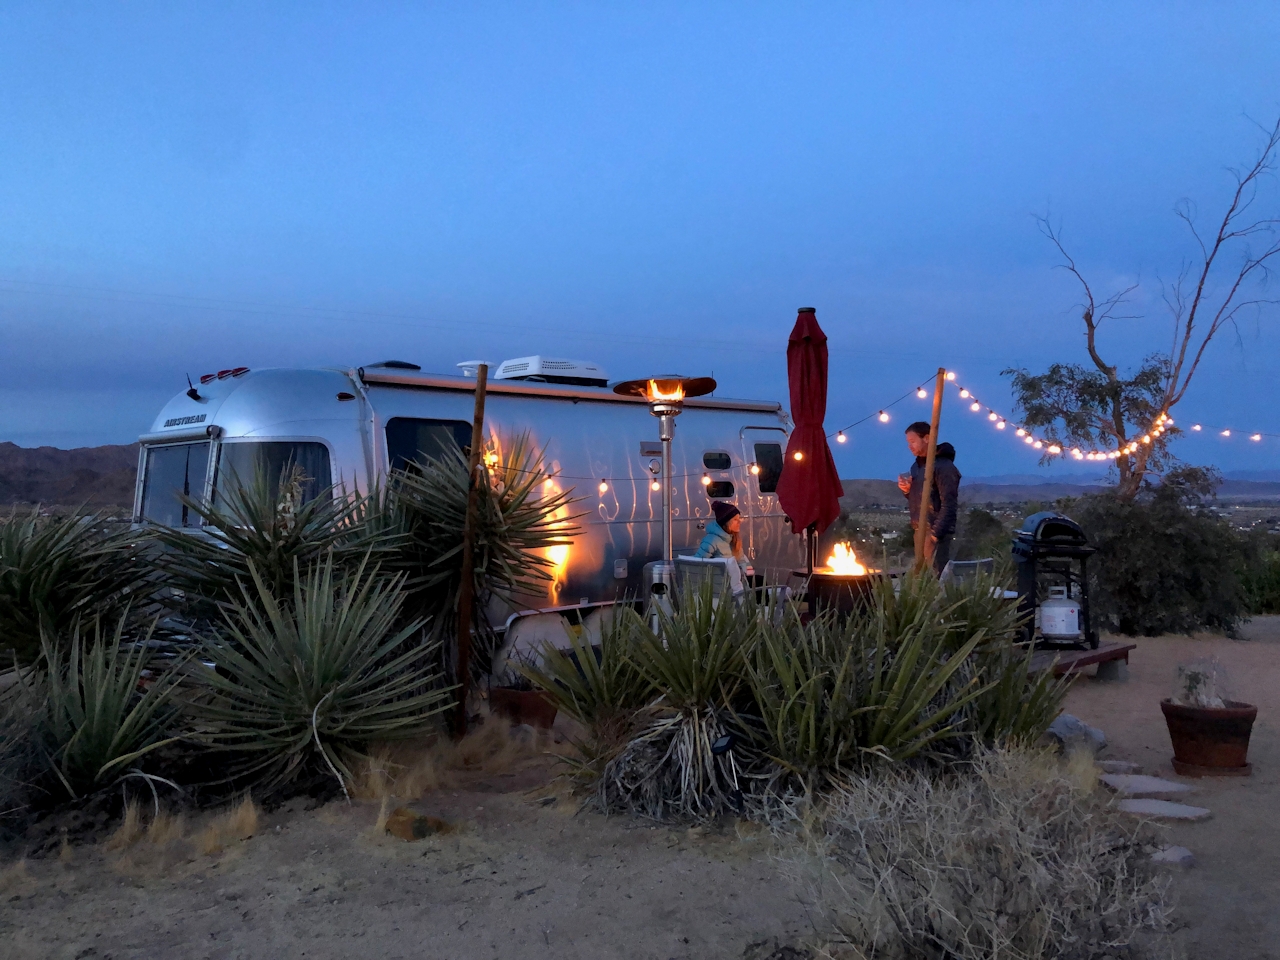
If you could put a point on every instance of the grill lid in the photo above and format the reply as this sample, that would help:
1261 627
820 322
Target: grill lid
1051 527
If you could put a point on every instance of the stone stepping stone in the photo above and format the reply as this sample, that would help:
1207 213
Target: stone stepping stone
1164 809
1174 857
1138 785
1119 766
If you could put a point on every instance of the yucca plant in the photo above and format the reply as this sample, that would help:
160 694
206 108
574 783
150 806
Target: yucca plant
696 661
263 523
97 723
56 570
316 678
600 687
23 705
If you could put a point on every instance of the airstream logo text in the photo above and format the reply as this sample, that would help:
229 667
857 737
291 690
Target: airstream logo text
183 421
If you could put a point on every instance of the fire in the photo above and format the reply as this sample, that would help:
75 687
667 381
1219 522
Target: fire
844 562
670 390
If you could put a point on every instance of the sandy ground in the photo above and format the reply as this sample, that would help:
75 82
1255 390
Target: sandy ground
534 879
1230 900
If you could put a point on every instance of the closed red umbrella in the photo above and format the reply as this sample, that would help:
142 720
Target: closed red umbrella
809 489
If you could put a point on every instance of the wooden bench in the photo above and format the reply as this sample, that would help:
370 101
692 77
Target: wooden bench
1073 661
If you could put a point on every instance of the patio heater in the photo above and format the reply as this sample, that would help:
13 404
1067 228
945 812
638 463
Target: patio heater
665 396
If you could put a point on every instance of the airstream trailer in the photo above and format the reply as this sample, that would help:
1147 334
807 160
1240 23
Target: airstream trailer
350 428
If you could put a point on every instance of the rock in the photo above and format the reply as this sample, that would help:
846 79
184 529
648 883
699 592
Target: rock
1072 732
1164 809
407 825
1113 670
1136 785
1174 857
1119 766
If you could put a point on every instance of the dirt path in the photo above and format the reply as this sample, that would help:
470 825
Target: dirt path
520 879
1230 900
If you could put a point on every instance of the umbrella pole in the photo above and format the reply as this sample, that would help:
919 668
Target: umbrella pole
926 496
811 546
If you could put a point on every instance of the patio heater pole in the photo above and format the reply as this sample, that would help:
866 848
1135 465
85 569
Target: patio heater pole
666 433
926 496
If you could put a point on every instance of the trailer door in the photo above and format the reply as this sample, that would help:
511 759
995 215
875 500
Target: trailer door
762 449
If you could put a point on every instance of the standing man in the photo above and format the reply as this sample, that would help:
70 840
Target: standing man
943 499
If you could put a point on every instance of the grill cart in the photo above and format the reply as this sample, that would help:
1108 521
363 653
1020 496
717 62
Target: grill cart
1051 553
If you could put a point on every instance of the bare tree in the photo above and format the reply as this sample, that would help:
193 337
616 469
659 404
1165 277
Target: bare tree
1099 407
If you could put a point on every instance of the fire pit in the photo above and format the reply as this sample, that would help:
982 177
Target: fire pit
843 585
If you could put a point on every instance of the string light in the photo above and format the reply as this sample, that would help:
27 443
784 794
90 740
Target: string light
1000 425
992 416
964 394
975 406
1196 427
706 480
1020 432
755 469
884 417
921 392
604 487
655 486
951 374
1256 437
840 437
798 455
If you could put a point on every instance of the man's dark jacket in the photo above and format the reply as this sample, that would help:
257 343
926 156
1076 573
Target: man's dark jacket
946 490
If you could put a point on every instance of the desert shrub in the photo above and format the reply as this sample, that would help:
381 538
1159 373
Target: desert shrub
22 713
981 534
56 570
313 680
97 723
521 515
1165 564
262 522
1260 573
1010 856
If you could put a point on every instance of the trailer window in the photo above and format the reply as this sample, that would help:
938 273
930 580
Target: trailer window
769 460
241 464
716 460
171 473
720 490
410 439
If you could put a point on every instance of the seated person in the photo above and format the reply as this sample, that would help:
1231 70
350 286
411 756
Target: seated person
723 542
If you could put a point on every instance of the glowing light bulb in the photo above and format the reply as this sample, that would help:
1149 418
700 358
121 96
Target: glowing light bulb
1226 433
1146 438
798 455
992 415
964 394
884 417
1168 421
755 469
951 375
706 480
921 392
1256 437
1000 425
1196 427
603 488
1037 444
1075 451
655 486
975 406
1054 448
1028 439
840 437
1021 432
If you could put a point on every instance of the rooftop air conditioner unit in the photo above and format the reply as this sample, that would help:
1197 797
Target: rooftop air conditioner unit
581 373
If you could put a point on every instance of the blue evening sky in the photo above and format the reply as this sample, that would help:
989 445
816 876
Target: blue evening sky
186 187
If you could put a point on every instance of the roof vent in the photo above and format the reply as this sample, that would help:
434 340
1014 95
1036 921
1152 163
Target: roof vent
580 373
395 365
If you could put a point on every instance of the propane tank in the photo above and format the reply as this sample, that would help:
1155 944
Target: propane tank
1059 616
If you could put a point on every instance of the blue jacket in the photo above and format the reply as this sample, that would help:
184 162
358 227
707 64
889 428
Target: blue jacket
945 492
716 543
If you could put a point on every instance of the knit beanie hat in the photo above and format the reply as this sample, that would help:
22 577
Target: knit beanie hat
724 511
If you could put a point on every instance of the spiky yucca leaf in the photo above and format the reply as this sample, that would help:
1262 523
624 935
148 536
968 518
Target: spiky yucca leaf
56 570
319 677
97 723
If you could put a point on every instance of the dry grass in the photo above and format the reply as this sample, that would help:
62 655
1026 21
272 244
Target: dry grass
1016 857
235 824
130 829
14 877
407 770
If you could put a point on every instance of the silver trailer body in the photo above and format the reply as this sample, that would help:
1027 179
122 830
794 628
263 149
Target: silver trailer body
348 427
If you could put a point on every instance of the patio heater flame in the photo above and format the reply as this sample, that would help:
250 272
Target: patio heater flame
665 391
843 562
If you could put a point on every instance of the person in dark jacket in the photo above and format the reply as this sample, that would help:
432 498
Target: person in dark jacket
944 496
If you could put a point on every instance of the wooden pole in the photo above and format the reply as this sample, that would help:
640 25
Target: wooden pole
922 526
466 591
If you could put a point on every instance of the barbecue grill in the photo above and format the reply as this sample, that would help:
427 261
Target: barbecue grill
1051 553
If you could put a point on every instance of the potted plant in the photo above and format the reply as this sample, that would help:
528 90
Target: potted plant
516 698
1210 733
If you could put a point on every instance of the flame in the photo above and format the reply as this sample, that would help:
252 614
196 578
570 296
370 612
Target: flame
844 562
671 391
559 554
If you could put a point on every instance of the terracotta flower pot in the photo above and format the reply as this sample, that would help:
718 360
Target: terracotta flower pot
1210 741
533 707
